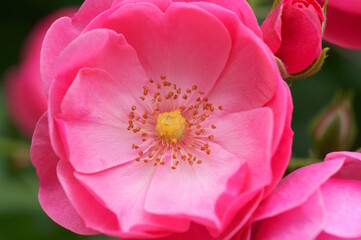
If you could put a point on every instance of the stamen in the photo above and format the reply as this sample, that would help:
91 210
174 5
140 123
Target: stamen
169 132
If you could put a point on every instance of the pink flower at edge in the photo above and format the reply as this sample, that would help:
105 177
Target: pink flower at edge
343 26
293 31
319 201
24 94
166 119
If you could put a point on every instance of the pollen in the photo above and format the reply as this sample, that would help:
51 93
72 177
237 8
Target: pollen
171 126
174 124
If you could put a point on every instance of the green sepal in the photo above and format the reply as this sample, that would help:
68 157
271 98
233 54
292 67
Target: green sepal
313 68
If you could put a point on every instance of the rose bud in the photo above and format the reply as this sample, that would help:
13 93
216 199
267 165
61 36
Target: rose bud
317 202
343 27
334 128
24 95
166 119
293 31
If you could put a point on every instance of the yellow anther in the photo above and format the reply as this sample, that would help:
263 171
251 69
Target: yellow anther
171 125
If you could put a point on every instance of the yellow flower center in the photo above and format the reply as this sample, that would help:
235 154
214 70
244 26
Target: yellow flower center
171 125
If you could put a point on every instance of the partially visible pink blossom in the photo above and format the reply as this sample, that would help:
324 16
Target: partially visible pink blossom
319 201
293 32
166 119
24 94
343 26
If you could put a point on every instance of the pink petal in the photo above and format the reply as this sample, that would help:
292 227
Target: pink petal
92 211
93 147
186 44
342 198
97 97
59 35
240 8
245 206
343 26
89 10
195 231
297 187
194 190
272 28
300 223
248 136
241 85
352 166
52 197
161 4
301 37
325 236
123 190
24 106
282 108
101 49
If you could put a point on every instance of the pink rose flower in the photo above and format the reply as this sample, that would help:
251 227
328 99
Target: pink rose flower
24 94
343 26
319 201
166 119
293 31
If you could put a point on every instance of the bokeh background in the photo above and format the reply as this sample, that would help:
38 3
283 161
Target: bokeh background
21 217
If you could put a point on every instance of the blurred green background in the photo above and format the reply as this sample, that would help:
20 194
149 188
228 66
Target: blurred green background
20 214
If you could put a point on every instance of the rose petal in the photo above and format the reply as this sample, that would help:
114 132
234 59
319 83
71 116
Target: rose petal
203 185
92 211
248 135
325 236
301 37
89 10
240 8
352 166
272 29
53 45
100 48
52 197
297 187
123 190
242 86
186 44
342 199
282 108
97 97
300 223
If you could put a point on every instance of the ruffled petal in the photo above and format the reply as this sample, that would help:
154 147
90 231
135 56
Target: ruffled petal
59 35
52 197
242 86
197 191
248 135
97 97
240 8
303 222
342 198
123 190
102 49
297 187
95 215
186 44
